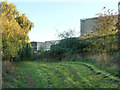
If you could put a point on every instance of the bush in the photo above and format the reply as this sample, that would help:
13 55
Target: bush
105 44
56 52
67 48
25 53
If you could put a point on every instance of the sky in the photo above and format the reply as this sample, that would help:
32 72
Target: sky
54 16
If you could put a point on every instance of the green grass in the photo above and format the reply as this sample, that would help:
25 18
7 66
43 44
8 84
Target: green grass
63 75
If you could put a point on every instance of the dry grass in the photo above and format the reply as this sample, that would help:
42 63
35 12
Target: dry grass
105 59
8 73
8 67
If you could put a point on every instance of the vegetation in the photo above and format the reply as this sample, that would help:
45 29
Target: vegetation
26 52
66 34
61 75
105 30
66 48
15 28
11 78
72 63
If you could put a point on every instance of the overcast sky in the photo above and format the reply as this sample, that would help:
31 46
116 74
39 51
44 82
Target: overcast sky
50 16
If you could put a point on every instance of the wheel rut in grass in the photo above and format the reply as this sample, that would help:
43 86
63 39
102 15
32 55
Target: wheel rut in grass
55 72
71 75
49 78
76 76
30 81
60 76
102 77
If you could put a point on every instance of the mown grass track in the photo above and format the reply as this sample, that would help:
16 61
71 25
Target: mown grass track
65 75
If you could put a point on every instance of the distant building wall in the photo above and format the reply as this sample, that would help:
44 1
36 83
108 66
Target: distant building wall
41 44
87 25
46 45
49 43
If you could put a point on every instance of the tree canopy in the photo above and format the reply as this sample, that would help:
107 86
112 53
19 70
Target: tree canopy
104 37
15 28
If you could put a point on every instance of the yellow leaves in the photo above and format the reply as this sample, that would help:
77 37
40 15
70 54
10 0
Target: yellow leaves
116 31
14 30
2 52
105 26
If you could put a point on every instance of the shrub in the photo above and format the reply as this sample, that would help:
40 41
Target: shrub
56 52
67 48
25 53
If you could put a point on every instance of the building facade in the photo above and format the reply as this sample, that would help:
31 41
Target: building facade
87 25
46 45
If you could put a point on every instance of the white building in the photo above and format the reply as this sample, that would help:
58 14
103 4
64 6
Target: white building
46 45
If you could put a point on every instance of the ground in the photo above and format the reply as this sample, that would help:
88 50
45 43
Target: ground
36 74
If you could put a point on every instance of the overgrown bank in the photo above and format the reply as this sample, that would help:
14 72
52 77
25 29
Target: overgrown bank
73 48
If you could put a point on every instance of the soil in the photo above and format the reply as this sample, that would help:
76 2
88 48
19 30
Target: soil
30 81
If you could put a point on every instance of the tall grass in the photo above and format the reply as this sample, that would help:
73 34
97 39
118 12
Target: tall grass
8 73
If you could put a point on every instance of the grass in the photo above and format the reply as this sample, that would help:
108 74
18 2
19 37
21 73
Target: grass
111 69
63 75
12 78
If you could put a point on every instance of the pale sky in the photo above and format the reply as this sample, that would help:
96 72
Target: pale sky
49 16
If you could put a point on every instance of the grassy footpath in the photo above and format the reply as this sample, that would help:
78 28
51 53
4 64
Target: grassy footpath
62 75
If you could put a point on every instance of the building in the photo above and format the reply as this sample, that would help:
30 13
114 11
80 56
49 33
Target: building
46 45
87 25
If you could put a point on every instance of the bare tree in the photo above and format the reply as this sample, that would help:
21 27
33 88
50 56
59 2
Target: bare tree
66 34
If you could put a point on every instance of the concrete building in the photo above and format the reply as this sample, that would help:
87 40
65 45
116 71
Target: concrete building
46 45
87 25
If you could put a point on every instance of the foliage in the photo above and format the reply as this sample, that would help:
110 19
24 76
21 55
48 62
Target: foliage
105 24
72 45
41 50
25 24
41 53
26 52
67 47
106 43
104 30
15 28
56 52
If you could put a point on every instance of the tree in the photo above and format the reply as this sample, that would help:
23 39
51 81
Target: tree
104 39
26 52
105 24
15 28
104 32
66 34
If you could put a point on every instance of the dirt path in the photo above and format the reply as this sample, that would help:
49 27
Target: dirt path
29 79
